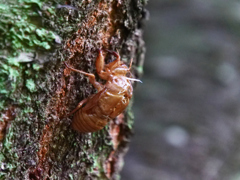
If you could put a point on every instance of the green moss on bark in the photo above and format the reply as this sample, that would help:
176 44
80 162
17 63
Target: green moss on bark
19 29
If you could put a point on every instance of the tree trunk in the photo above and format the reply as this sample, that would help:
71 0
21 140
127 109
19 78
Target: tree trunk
37 91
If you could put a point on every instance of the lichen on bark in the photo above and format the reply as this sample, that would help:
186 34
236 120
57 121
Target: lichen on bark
37 93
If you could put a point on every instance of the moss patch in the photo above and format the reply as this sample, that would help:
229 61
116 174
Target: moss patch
20 29
31 85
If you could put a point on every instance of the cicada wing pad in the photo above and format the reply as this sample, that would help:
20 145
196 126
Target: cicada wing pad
93 100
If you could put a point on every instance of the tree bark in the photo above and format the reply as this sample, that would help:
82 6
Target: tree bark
37 141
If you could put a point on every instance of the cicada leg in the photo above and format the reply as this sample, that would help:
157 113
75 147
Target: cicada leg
91 77
100 66
116 62
79 105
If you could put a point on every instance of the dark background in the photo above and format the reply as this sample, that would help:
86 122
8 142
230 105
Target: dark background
187 111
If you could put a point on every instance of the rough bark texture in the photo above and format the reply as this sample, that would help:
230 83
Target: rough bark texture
37 92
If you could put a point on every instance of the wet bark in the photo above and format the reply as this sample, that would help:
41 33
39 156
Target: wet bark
37 141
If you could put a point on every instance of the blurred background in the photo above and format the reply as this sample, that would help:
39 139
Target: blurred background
187 111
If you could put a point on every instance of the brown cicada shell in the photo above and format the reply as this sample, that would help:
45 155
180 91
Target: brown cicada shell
94 112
